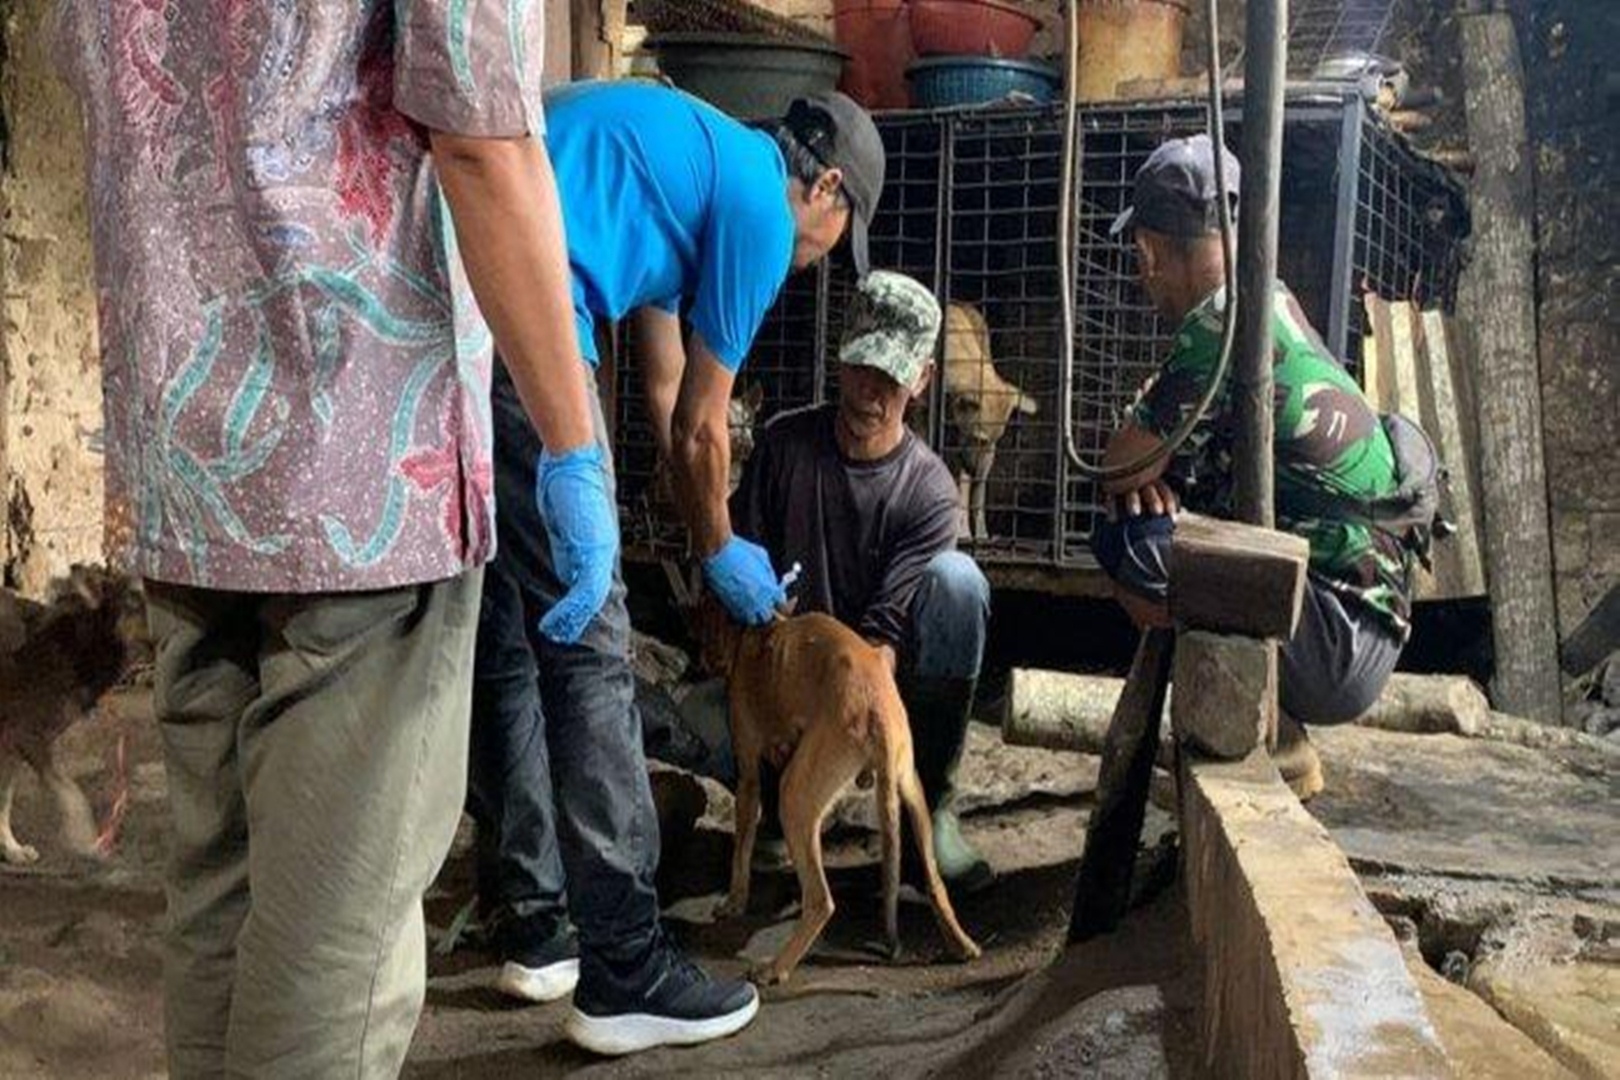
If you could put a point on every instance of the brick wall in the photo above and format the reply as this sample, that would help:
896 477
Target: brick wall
50 386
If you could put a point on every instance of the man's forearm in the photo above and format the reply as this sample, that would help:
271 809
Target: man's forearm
702 471
503 197
663 362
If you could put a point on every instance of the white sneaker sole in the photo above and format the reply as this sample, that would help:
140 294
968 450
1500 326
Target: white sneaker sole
629 1033
538 985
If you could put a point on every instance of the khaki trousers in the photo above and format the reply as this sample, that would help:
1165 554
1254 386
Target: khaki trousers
316 751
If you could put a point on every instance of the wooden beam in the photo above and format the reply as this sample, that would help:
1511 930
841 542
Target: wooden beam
1103 891
1518 543
1442 421
1235 578
1056 710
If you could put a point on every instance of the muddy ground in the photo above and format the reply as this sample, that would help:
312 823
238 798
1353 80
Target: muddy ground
1439 828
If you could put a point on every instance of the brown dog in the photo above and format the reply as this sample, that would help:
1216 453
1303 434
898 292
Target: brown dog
810 696
56 661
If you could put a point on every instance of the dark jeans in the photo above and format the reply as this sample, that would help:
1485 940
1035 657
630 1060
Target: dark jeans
1332 669
557 779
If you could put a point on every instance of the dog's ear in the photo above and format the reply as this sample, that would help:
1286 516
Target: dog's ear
87 583
754 397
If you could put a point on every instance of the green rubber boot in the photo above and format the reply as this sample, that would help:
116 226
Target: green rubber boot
939 710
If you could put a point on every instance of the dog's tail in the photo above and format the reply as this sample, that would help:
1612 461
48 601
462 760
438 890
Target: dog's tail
922 831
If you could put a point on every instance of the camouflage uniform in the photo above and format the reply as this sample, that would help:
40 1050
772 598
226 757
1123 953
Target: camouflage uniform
1327 437
1354 619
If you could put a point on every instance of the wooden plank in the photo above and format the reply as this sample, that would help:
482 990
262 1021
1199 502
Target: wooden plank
1501 290
1596 637
1236 578
1443 422
1406 399
1103 890
1376 377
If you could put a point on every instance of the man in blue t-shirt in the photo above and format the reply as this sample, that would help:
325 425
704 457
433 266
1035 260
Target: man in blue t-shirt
673 212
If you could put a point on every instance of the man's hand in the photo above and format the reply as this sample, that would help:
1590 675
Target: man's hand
741 575
583 526
1155 498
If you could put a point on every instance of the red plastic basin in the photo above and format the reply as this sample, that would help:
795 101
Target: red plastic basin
971 28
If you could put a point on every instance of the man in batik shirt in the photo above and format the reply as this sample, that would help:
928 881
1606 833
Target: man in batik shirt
297 388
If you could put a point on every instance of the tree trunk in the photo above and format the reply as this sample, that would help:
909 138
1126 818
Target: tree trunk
1517 540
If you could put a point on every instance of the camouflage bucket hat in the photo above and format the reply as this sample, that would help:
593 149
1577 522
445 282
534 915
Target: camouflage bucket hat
893 325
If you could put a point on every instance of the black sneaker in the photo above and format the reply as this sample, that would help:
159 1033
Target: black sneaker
541 973
666 1001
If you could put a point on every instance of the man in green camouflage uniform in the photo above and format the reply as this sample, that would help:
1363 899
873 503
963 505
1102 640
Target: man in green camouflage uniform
1330 447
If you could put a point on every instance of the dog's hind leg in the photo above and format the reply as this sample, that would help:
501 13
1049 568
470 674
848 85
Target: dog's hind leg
888 800
745 825
11 850
78 820
922 831
824 763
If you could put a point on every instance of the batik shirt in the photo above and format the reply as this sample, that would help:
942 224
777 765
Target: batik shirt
296 376
1328 438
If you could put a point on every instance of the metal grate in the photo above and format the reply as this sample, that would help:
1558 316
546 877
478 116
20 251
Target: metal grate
1322 29
971 209
1407 219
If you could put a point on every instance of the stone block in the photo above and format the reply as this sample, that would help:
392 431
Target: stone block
1568 1009
1302 976
1226 693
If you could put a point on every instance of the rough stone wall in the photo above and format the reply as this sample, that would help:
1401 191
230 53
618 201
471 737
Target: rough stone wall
815 14
50 380
1573 110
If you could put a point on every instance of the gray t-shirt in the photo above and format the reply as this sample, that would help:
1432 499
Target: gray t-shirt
864 531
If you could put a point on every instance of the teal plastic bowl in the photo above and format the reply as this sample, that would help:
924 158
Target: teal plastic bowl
941 82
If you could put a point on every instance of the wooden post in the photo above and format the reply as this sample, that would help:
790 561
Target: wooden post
598 28
1518 544
1103 891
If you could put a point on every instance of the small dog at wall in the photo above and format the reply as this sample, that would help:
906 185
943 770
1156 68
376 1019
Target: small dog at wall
810 696
57 660
981 404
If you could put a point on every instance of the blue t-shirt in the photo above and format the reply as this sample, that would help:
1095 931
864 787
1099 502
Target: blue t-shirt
669 202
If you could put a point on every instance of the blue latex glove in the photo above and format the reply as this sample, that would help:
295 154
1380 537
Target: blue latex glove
583 526
742 577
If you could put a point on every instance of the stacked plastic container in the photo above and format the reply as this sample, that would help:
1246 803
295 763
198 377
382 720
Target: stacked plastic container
940 53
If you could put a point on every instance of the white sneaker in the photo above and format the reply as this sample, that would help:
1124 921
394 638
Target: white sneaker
538 984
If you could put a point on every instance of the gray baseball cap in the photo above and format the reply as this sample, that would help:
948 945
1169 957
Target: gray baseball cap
892 325
842 136
1175 190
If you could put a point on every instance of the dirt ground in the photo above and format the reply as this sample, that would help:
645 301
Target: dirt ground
80 964
1462 846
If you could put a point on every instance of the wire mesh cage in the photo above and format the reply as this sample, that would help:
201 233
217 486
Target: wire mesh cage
971 209
1320 30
